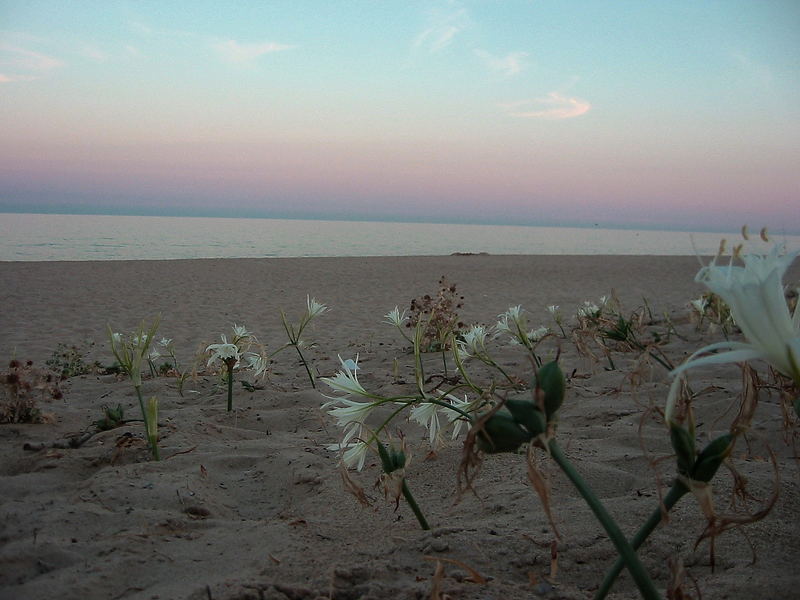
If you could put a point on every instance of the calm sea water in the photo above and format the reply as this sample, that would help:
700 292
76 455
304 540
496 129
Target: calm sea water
28 237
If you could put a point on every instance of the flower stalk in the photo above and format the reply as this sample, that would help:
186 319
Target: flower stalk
130 352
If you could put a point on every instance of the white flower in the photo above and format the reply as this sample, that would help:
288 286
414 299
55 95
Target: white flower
165 342
427 414
356 455
553 309
395 317
453 416
351 416
538 334
700 304
223 351
154 355
240 332
474 340
754 294
588 310
513 314
314 308
116 338
346 381
256 363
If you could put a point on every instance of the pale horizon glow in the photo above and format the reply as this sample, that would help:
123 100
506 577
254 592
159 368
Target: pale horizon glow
673 116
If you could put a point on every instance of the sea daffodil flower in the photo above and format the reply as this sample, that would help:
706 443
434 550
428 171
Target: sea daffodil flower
346 380
754 293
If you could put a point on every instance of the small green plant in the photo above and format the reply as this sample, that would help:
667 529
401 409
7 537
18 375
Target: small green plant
23 386
68 361
295 333
111 419
130 352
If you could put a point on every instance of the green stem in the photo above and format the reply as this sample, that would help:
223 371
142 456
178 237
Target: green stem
676 492
230 388
413 504
626 552
150 441
305 364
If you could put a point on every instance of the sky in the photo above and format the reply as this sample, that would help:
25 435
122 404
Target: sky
665 115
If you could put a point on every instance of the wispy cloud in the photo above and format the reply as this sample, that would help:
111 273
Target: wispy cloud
21 58
509 65
554 106
239 53
21 64
440 28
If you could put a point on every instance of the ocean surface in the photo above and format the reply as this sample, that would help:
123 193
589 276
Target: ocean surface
39 237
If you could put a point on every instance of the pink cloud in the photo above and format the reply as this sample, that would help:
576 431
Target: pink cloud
554 106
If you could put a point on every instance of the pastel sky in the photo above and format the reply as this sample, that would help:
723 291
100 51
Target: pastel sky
678 115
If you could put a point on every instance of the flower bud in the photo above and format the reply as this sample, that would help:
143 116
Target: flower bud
151 414
710 459
683 444
501 433
526 414
550 380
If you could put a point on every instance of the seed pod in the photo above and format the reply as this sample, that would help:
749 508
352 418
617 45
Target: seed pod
391 459
501 433
683 444
710 459
550 380
526 414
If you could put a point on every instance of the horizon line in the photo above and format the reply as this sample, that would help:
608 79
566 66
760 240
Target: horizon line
212 214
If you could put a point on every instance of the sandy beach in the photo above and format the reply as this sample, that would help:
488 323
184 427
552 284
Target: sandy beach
251 503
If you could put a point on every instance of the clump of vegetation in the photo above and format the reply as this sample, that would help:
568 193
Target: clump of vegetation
68 361
112 418
23 387
437 315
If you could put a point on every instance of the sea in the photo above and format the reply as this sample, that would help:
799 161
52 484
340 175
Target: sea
54 237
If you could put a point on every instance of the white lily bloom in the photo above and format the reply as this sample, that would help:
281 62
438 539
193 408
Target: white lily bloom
223 351
256 363
463 351
453 416
154 355
240 332
552 309
538 334
314 308
346 380
754 294
356 455
502 326
165 342
351 412
588 310
395 317
475 340
427 414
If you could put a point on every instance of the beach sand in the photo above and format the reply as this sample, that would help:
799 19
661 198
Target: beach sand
251 504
